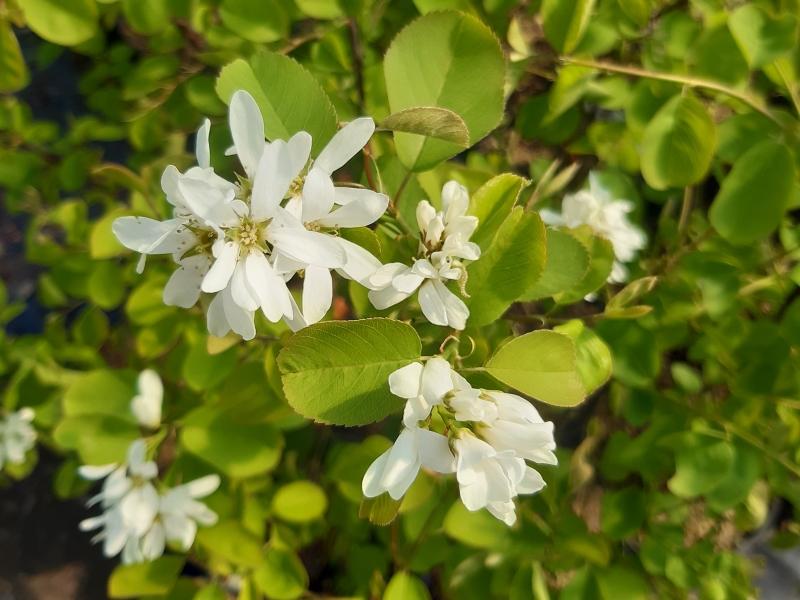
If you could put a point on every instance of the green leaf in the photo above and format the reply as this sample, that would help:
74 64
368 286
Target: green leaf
632 292
102 241
463 71
259 21
202 371
300 502
230 442
98 439
430 121
623 512
701 463
231 541
541 364
337 371
13 71
565 22
678 144
592 353
406 586
617 582
492 203
507 268
281 575
145 305
476 529
601 261
147 17
761 37
146 579
753 197
101 392
565 268
277 82
64 22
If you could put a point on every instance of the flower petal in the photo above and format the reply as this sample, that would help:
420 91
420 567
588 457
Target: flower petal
371 484
201 147
183 287
405 381
273 295
436 380
457 311
347 142
308 247
359 264
431 304
240 290
434 451
145 235
299 150
386 297
222 270
317 293
271 181
247 130
216 322
239 319
318 193
360 212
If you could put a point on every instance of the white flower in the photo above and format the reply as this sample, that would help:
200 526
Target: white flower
422 386
179 513
605 215
319 205
444 244
491 479
128 498
146 405
396 469
518 427
17 436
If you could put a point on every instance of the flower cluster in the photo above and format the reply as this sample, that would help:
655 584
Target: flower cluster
138 520
17 437
605 215
487 438
243 241
443 247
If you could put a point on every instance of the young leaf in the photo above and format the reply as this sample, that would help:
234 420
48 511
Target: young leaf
507 268
755 194
406 586
259 21
678 144
63 22
492 203
592 353
281 575
431 121
289 97
565 22
299 502
541 364
154 578
566 265
337 371
13 72
463 71
762 37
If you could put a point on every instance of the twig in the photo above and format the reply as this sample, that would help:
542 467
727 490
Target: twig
749 99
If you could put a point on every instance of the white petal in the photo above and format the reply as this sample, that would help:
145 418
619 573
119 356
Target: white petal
405 381
146 405
240 290
93 472
239 319
402 465
139 508
153 542
431 304
207 202
318 193
273 295
386 274
296 322
299 151
457 311
386 297
247 130
361 212
531 483
144 235
201 147
371 484
216 321
345 194
343 146
317 293
407 281
434 451
272 180
308 247
202 487
359 264
183 287
222 270
180 529
455 200
436 379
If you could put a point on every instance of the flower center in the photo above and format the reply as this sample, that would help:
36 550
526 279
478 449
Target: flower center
296 187
250 234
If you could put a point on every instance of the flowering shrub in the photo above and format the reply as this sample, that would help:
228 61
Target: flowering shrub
405 300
